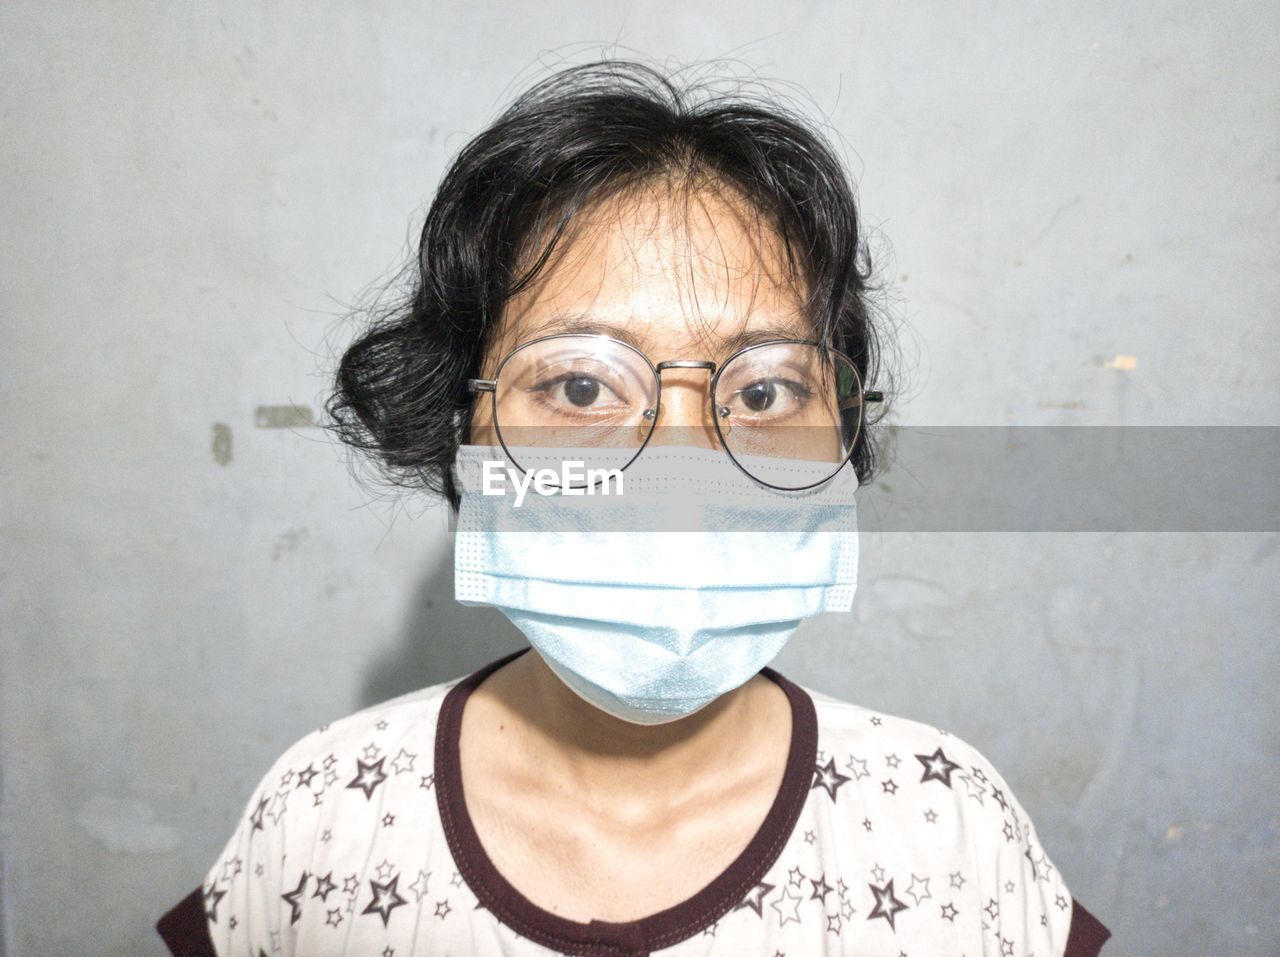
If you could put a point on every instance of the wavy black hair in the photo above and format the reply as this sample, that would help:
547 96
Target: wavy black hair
583 134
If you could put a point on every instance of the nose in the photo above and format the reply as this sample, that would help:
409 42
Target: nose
684 405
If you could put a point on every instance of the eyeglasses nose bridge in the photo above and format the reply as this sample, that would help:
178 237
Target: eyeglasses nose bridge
708 365
686 364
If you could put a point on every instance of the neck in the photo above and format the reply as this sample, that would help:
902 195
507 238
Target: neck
607 756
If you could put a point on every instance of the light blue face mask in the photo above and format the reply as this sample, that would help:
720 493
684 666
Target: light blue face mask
653 602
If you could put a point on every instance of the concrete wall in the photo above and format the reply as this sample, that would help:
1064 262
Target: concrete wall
193 192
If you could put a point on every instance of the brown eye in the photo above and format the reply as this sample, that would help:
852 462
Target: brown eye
759 396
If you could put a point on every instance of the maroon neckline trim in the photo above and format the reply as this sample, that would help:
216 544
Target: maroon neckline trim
609 938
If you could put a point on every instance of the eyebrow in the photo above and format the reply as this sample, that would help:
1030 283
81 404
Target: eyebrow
587 324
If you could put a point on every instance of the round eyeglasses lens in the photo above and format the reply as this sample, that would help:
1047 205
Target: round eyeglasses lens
575 398
789 412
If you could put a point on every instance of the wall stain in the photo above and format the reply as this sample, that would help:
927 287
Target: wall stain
221 443
289 540
283 417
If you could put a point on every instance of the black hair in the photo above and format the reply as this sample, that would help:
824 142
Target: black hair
585 133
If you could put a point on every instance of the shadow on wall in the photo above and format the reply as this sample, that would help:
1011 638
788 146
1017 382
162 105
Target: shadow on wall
441 640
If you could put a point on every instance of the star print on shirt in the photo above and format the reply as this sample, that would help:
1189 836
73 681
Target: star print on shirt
922 894
887 905
755 898
975 788
211 897
826 776
1039 869
277 808
820 888
368 776
386 898
324 887
294 898
256 817
788 906
402 763
937 767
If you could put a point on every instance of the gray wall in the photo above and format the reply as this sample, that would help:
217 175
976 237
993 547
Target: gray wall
191 196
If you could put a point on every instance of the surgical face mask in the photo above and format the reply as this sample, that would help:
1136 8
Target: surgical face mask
663 588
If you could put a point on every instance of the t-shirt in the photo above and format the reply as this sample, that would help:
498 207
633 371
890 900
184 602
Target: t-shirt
886 837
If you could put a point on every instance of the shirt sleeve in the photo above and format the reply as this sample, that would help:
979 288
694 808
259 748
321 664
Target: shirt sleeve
1027 907
250 904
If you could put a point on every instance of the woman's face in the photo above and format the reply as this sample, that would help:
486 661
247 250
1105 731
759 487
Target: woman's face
677 276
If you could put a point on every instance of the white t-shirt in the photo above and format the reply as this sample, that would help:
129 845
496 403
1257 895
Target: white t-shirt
887 837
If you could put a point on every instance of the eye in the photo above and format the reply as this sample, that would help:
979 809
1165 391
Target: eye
769 398
759 395
577 391
581 391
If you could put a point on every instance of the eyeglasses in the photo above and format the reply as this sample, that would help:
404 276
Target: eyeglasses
788 412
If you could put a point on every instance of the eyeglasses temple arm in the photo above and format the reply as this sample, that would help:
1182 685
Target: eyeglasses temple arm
873 397
481 385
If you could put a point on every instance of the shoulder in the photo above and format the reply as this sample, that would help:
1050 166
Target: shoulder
344 764
928 808
927 760
373 733
333 805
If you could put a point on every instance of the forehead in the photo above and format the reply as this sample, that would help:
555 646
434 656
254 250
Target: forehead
673 270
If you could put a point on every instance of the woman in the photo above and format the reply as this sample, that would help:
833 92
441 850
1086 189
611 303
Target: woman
626 290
